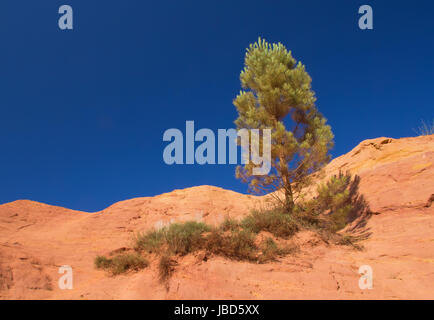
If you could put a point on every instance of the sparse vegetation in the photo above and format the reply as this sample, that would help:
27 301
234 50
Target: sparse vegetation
337 203
165 267
229 224
269 250
121 263
275 221
425 129
238 244
150 241
102 262
349 240
276 88
179 238
186 237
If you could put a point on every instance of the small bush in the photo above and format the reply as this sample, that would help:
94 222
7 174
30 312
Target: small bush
150 241
181 238
307 215
339 218
270 251
335 200
275 221
186 237
425 129
125 262
239 245
334 192
121 263
102 262
215 241
229 224
165 267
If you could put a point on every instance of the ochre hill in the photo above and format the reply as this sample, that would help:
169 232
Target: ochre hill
397 180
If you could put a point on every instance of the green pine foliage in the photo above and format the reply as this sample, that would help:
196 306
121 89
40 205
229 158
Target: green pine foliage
277 92
334 196
332 207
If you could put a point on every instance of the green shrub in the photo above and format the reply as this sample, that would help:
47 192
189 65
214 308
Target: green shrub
239 245
270 250
121 263
307 215
334 193
150 241
125 262
335 200
102 262
215 241
339 218
229 224
181 238
165 267
186 237
275 221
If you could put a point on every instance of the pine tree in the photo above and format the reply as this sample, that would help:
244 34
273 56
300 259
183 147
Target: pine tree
277 93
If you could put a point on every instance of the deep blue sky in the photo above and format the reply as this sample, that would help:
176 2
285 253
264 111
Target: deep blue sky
82 112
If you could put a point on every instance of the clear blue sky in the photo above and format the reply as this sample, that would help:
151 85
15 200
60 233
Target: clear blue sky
83 112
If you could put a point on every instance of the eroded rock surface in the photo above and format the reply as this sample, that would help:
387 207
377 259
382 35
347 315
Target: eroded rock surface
397 179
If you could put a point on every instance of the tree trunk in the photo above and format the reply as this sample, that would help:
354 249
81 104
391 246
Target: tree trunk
289 201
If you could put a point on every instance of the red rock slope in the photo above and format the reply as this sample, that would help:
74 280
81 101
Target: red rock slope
397 179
